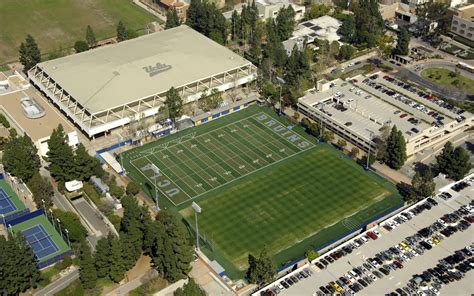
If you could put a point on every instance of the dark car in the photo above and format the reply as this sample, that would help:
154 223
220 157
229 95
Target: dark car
324 290
362 282
384 271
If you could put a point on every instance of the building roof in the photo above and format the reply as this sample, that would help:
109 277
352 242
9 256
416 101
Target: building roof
467 12
118 74
366 113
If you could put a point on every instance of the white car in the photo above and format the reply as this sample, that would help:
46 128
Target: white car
350 65
377 233
364 239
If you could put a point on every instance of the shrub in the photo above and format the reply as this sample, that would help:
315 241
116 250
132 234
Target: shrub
311 255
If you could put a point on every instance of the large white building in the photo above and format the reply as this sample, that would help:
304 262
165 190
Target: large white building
269 9
322 28
111 86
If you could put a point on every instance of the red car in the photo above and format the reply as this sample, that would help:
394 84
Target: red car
385 77
469 219
371 235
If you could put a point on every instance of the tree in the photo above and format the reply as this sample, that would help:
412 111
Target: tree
71 221
132 227
261 270
101 257
341 143
315 11
130 34
132 188
30 54
328 136
354 152
346 52
396 149
422 184
172 19
211 101
348 29
80 46
17 265
87 270
455 163
285 22
42 191
206 18
403 42
121 32
86 165
20 157
461 164
190 289
60 157
445 158
385 44
174 103
116 264
90 37
334 49
169 247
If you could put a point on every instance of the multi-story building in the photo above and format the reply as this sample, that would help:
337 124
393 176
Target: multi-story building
361 109
463 22
269 9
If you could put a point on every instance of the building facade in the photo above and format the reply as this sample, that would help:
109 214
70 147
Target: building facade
463 22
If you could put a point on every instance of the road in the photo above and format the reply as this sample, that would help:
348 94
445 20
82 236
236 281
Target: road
59 284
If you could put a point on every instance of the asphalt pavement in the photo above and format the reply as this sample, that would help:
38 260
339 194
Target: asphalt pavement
59 284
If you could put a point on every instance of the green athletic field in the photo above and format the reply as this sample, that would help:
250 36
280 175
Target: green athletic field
259 184
57 24
55 236
12 196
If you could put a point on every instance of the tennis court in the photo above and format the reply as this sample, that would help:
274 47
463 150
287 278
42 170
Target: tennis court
6 205
40 241
45 241
9 201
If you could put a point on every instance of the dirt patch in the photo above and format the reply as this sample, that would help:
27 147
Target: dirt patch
141 267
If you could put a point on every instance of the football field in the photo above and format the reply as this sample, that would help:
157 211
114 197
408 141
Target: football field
261 182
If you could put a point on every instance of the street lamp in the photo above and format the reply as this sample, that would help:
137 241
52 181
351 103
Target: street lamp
197 210
10 228
3 220
44 205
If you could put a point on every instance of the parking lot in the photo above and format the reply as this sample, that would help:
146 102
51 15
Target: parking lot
413 258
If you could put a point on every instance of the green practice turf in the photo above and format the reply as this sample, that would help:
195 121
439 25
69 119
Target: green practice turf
57 24
56 237
13 197
298 195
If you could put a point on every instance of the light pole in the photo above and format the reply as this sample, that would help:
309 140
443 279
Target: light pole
280 81
3 220
67 235
120 140
10 228
44 205
370 143
52 218
197 210
59 226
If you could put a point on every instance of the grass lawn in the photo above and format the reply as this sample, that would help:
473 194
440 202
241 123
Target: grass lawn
259 184
58 24
442 77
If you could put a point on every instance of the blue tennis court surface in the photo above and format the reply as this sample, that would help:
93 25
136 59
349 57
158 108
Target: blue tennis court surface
6 205
40 241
